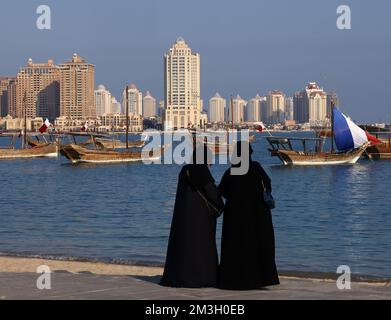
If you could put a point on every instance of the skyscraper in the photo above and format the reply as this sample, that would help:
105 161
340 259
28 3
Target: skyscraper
289 109
253 109
135 100
4 89
216 110
310 105
275 112
239 107
37 90
115 106
77 89
102 101
183 104
149 106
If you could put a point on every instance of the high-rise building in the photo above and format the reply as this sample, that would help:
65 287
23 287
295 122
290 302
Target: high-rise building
77 89
102 101
135 100
275 111
183 104
5 83
238 112
115 106
216 110
289 109
310 105
253 109
12 99
149 106
38 90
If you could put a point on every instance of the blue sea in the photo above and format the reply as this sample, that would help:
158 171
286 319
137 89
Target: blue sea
325 216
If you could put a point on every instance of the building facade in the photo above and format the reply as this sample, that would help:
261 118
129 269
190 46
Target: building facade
275 110
310 105
77 89
237 114
5 83
116 106
217 109
102 101
135 100
149 106
183 104
37 90
253 109
289 110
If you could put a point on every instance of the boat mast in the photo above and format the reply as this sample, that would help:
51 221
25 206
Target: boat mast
25 121
232 112
127 117
332 125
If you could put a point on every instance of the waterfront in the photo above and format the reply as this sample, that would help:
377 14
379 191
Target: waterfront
326 216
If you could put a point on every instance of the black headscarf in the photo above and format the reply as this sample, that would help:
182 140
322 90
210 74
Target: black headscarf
199 174
240 145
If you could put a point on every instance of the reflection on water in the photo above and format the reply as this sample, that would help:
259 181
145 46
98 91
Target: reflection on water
325 216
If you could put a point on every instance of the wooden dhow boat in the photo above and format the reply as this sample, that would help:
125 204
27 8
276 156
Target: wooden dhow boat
351 142
381 150
40 150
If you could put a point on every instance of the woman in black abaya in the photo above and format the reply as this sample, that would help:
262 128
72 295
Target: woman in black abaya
192 259
248 245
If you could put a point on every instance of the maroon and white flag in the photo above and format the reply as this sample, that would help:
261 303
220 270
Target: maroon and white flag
261 127
85 127
45 126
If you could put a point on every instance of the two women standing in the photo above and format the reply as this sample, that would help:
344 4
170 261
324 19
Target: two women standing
247 252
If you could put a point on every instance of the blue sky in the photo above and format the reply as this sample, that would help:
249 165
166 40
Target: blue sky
246 47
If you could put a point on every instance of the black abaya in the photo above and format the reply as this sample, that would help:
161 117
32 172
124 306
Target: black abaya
192 259
248 245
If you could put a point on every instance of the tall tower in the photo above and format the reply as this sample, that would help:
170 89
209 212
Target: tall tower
149 106
102 101
37 90
5 83
216 110
275 107
253 109
135 100
183 105
77 89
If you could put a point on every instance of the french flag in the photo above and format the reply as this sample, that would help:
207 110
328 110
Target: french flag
45 126
348 135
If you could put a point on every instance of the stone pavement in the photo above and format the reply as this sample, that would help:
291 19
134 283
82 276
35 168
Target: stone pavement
87 286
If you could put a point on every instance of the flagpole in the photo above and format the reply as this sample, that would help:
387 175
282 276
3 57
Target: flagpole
332 125
127 117
25 121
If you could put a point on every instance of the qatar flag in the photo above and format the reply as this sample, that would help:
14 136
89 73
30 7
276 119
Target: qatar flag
373 140
85 127
261 127
45 126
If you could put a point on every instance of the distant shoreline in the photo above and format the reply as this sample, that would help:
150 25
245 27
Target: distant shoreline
19 265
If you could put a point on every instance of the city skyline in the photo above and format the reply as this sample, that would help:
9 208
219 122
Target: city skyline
256 55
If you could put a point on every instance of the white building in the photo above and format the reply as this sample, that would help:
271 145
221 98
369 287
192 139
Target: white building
115 106
253 109
135 100
275 111
102 100
216 110
149 106
239 108
310 105
183 104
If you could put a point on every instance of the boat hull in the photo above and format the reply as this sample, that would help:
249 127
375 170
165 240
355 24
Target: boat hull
41 151
77 154
379 152
297 158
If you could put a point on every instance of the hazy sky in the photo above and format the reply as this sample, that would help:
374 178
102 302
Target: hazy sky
246 47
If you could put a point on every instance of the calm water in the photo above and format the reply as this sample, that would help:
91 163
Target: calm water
326 216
